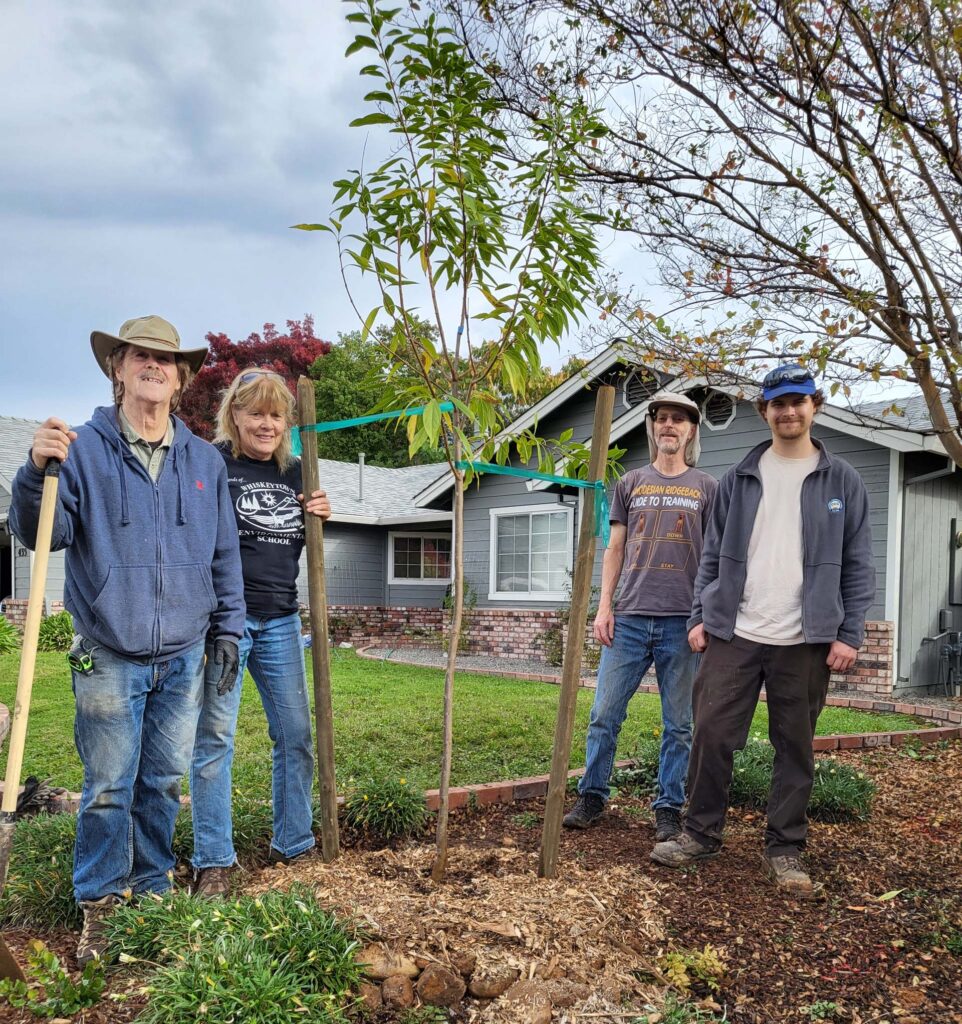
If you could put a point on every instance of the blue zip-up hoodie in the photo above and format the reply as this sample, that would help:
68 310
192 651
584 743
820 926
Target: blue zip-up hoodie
838 573
151 568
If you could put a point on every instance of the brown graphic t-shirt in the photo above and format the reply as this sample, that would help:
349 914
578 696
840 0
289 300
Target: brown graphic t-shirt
665 516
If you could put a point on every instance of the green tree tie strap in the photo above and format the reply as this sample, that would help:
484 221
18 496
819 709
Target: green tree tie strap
358 421
602 523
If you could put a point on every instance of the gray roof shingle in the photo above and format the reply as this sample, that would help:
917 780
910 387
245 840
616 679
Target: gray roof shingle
388 493
916 414
16 436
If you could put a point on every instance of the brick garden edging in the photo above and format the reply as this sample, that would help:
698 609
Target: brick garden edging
949 728
534 786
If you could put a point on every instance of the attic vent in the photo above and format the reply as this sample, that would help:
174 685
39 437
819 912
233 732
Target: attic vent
640 385
718 410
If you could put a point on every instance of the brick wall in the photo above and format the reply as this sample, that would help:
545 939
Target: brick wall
15 611
873 669
519 633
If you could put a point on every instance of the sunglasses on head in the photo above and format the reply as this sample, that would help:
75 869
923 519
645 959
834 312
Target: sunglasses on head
786 375
246 378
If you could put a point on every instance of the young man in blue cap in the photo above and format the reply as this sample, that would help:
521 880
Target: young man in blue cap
784 583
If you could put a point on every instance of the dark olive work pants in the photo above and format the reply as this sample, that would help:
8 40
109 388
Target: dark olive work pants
726 691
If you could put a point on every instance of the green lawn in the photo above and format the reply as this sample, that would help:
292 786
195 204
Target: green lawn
388 722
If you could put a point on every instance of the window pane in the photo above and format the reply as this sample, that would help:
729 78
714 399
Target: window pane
407 558
437 558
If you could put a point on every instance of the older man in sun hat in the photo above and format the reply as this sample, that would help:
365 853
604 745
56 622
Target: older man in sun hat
152 570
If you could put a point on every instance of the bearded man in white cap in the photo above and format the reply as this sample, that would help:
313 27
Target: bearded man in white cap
152 572
657 518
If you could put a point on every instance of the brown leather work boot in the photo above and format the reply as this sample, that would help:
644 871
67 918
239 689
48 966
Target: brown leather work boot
212 883
786 871
681 852
93 938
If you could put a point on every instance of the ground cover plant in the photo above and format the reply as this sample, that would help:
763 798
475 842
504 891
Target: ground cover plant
387 725
56 632
9 637
264 959
882 942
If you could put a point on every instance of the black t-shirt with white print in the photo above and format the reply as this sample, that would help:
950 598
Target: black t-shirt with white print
270 523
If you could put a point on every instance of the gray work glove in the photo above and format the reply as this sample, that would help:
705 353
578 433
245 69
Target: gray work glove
223 661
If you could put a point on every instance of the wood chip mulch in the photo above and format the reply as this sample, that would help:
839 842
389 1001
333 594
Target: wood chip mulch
883 943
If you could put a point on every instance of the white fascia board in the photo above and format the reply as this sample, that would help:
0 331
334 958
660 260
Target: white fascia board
845 422
631 419
613 354
359 520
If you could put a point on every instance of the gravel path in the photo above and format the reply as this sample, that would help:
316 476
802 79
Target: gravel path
435 658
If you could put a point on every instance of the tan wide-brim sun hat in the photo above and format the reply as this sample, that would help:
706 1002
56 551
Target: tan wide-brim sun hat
678 401
150 332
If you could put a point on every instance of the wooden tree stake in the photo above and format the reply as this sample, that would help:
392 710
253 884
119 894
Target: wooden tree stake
571 670
320 655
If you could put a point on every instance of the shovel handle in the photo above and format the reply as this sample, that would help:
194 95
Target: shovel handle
31 633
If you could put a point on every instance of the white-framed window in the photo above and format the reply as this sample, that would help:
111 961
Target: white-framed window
419 558
530 552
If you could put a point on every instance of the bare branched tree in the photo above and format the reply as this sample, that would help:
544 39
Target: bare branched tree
794 165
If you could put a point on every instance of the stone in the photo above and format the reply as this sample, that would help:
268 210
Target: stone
380 963
490 986
530 1002
397 992
370 995
564 993
464 962
440 986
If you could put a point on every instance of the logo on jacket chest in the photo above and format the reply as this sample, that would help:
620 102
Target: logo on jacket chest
269 508
835 505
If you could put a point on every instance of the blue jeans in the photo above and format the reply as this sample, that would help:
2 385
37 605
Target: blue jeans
640 640
134 730
273 652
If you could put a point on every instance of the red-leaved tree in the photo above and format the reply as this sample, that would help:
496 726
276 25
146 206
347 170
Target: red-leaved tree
288 354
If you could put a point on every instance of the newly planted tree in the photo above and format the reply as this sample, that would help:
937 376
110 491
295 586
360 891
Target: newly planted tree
490 245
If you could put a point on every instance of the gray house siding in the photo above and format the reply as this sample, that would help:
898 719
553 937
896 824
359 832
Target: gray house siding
354 563
929 509
721 449
356 566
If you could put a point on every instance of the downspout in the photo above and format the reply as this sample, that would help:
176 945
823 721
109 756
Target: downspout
360 476
936 474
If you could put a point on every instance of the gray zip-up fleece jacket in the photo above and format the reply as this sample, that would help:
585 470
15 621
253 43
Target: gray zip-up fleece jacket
838 573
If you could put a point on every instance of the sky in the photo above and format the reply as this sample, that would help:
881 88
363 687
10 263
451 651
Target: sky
155 156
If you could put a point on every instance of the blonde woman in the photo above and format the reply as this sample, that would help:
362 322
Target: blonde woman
253 436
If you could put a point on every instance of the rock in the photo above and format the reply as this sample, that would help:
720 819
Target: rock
490 986
530 1002
439 986
397 992
464 962
565 993
370 995
381 963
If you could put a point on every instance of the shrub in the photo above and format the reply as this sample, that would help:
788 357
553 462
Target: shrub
267 960
752 774
38 894
840 791
386 809
697 970
56 632
641 776
252 822
9 637
49 990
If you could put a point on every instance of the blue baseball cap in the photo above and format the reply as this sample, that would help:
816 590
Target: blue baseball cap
788 379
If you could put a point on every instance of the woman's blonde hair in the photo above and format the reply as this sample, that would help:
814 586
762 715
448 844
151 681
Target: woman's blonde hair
256 390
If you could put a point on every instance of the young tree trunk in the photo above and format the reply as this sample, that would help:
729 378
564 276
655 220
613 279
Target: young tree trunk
457 614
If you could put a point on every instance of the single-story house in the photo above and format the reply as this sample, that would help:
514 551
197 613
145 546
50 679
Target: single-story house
388 544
